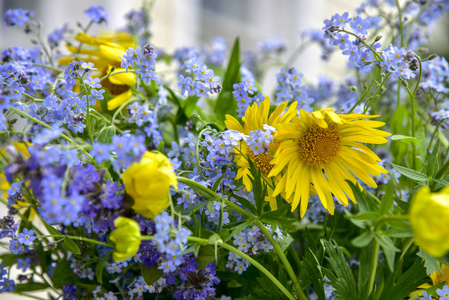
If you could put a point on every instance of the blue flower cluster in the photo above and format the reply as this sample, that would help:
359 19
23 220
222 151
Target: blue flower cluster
97 14
6 284
360 55
202 81
259 141
170 249
435 75
252 242
126 149
143 59
18 75
290 88
141 115
25 238
17 17
443 294
399 62
245 94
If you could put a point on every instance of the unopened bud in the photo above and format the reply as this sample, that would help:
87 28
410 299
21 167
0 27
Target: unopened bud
431 56
378 38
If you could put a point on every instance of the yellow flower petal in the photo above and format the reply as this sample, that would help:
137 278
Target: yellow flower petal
128 78
119 100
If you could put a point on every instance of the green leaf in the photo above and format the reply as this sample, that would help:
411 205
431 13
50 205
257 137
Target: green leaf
226 104
430 262
285 242
205 256
189 105
389 254
246 203
239 228
51 229
421 146
405 206
259 187
363 240
61 276
100 266
407 282
397 120
234 284
365 216
405 139
387 199
8 259
410 173
386 242
71 246
364 272
399 233
195 208
30 287
433 290
160 147
340 275
151 275
106 135
217 182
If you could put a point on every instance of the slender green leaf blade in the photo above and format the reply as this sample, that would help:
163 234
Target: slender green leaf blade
410 173
71 246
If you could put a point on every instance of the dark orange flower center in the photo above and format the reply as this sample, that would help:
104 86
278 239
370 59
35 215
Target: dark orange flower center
319 146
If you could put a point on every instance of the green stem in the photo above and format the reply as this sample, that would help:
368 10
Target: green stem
373 267
366 91
200 169
434 133
363 42
260 267
49 67
283 258
17 132
385 219
211 194
246 257
78 238
413 113
376 92
24 114
32 98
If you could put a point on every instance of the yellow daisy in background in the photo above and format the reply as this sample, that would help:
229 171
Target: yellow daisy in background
104 52
324 149
255 118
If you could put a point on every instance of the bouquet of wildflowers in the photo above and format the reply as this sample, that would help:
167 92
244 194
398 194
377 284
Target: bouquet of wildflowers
120 181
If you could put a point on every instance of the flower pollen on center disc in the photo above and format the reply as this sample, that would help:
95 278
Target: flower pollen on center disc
262 160
319 146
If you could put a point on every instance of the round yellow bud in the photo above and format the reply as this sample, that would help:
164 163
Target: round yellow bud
148 183
126 237
429 217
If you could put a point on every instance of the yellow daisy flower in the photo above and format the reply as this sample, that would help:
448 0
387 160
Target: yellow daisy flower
324 148
105 52
255 117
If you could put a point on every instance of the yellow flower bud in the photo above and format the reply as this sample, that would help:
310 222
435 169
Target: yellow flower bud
429 217
148 183
126 237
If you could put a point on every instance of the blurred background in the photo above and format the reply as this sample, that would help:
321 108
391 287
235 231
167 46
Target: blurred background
196 22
